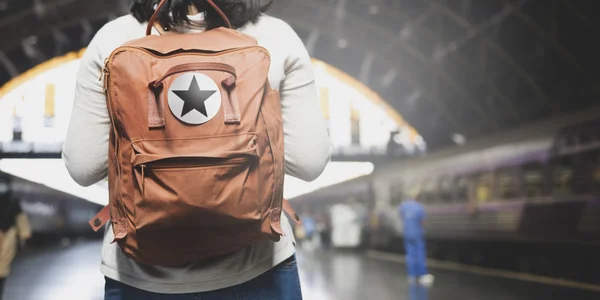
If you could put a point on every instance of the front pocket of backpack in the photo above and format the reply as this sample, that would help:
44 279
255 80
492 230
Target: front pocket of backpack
196 190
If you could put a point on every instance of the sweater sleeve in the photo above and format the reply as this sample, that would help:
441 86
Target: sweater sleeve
306 141
85 149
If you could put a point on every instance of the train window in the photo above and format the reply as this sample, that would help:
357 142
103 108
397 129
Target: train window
446 191
427 191
594 161
462 189
483 187
596 180
562 175
534 180
506 183
585 178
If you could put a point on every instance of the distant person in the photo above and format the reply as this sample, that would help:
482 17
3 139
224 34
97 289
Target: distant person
310 228
413 216
265 270
326 230
14 229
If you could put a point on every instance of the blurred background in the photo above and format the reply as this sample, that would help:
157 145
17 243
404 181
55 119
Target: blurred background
487 110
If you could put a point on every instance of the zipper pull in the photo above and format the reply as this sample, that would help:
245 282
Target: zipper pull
105 74
143 176
103 69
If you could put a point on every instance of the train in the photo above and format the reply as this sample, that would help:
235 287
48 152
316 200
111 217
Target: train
531 193
53 215
526 199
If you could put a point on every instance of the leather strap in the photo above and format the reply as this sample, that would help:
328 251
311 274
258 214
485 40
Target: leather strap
101 218
119 224
162 3
231 108
205 66
220 12
120 229
287 207
155 110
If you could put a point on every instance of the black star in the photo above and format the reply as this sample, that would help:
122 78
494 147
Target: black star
194 98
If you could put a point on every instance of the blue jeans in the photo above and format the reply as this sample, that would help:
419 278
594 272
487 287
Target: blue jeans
280 283
415 256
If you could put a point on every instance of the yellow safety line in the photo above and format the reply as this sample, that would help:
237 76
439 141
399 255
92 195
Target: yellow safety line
451 266
39 69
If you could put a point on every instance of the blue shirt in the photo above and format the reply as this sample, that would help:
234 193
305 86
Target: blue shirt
412 214
309 225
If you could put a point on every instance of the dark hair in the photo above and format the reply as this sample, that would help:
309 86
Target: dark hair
239 12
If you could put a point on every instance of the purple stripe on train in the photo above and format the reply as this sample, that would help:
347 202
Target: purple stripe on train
502 206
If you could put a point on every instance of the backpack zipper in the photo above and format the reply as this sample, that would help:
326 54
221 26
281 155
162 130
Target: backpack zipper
188 52
157 165
105 73
106 70
231 162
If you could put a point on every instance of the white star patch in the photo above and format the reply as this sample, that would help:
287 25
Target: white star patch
194 98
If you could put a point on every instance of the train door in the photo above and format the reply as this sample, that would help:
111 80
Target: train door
483 188
563 168
463 191
535 181
446 189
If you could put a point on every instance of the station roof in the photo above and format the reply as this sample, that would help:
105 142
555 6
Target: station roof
449 67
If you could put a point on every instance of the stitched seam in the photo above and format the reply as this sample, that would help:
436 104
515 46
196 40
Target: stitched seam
269 138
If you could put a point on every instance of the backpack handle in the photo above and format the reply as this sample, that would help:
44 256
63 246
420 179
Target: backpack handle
162 3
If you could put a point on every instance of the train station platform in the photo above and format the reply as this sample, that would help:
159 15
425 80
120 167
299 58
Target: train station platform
72 272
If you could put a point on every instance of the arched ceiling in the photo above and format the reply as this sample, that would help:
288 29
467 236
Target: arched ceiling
448 66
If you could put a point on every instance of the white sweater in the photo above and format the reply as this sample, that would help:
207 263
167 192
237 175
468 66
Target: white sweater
306 141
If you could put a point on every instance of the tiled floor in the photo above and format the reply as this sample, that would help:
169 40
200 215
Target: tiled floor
71 272
61 273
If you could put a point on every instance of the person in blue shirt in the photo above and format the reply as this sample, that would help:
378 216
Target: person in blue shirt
413 217
309 225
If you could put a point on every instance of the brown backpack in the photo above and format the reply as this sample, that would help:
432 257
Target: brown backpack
196 147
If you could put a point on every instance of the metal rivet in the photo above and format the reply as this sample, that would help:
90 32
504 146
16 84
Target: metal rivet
97 222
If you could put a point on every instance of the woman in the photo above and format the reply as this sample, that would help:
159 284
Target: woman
263 271
14 228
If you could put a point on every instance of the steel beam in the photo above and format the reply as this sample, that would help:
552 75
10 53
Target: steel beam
8 65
